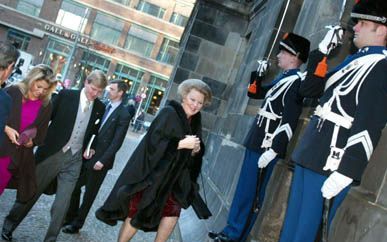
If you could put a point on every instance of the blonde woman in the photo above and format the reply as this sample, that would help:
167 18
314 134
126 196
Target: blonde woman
160 177
25 128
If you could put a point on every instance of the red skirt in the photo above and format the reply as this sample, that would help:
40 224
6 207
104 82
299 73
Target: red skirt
171 208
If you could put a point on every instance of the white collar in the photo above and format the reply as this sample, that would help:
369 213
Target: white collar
83 100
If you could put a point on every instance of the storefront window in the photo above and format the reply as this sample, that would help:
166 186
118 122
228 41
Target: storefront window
19 39
179 19
168 51
56 55
150 9
107 29
131 75
72 16
123 2
91 61
154 94
31 7
140 40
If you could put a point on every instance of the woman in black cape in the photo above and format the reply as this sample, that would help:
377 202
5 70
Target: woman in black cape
160 177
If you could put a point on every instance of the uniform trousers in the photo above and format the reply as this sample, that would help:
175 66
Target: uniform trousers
305 206
65 168
244 196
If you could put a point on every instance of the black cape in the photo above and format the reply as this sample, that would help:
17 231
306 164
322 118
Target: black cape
158 168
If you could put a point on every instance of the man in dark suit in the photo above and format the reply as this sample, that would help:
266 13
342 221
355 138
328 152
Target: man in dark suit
114 126
8 57
76 117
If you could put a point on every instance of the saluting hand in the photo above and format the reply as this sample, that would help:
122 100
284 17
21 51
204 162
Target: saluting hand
332 39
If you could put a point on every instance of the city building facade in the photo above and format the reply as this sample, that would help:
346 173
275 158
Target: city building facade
135 40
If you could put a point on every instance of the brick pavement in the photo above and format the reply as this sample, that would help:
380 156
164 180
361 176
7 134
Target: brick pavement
34 226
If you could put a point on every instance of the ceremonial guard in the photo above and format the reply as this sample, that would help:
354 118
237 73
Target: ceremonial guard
268 137
346 126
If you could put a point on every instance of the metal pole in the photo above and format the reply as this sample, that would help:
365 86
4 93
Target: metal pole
67 66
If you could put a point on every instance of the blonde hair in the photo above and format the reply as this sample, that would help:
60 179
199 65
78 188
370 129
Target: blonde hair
187 85
40 72
97 78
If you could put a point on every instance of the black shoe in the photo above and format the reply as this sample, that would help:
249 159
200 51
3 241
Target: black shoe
7 236
223 238
70 229
212 234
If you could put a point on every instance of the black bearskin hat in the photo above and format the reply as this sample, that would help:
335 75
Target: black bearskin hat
295 45
372 10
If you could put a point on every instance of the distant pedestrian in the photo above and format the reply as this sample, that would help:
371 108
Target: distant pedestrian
131 108
138 124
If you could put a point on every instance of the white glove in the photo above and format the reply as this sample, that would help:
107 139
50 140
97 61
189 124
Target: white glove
266 157
263 66
332 39
334 184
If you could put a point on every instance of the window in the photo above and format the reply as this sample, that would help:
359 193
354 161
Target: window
151 9
31 7
123 2
168 51
129 74
56 55
72 15
179 19
140 40
154 94
107 29
89 62
19 39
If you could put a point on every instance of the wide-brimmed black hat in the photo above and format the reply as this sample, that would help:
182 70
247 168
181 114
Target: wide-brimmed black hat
372 10
295 45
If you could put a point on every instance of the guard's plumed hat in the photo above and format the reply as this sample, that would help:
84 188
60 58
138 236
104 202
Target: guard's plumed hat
295 45
372 10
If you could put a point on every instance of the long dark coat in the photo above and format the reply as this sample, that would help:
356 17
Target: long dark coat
158 168
22 166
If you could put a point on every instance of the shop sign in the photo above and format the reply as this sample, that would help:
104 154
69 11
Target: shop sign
65 33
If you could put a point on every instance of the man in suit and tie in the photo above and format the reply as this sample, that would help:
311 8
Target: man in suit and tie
76 117
114 126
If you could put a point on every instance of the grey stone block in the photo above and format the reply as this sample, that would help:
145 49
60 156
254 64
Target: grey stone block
193 44
244 125
181 75
209 32
216 86
226 165
212 150
231 22
358 220
373 180
213 107
208 119
189 61
207 14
